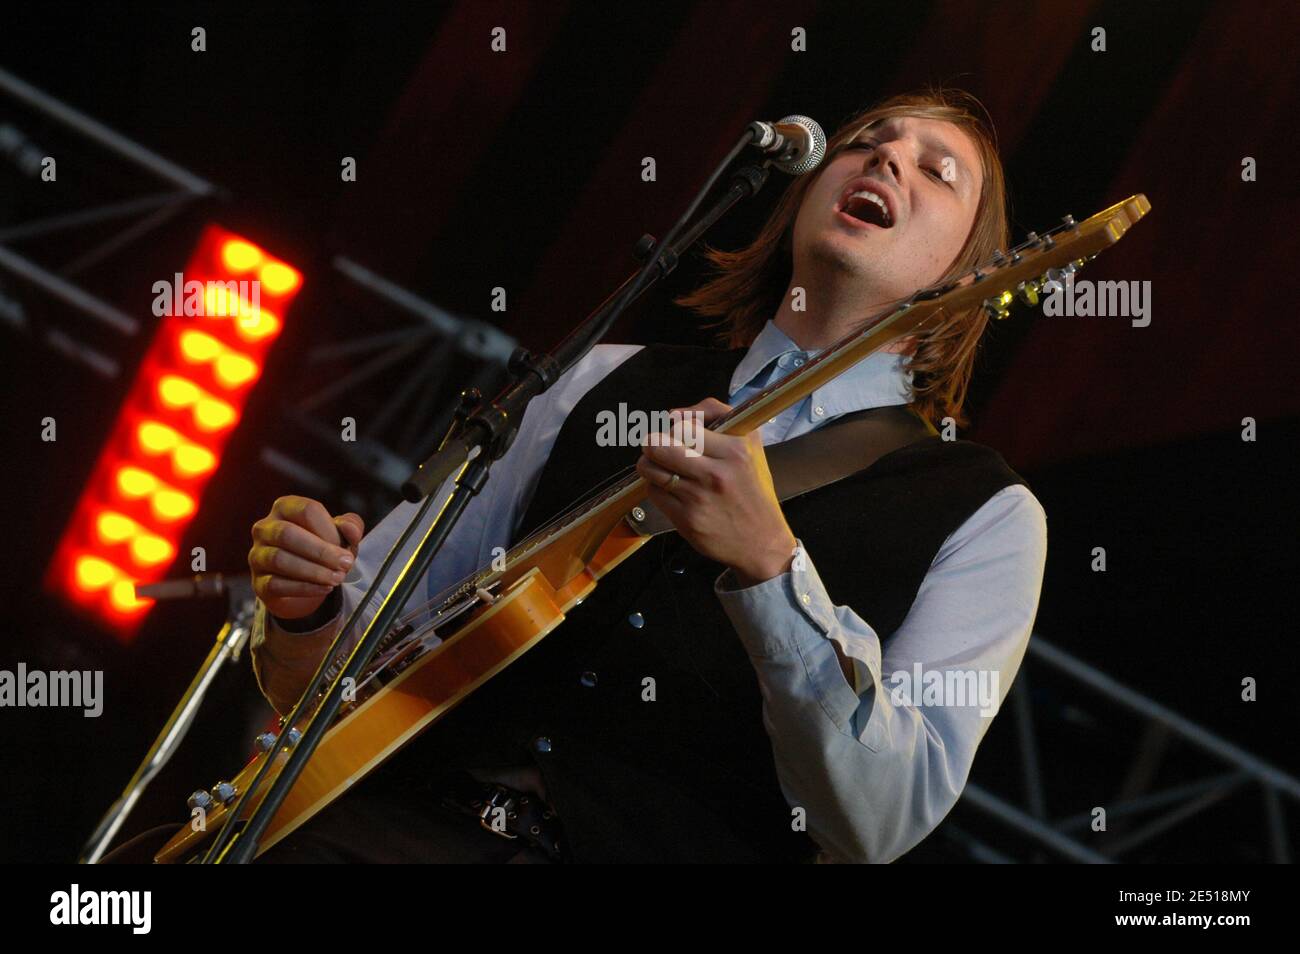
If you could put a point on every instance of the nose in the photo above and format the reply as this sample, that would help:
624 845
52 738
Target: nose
886 156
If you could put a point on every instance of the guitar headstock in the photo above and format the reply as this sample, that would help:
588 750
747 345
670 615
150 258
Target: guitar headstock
1051 256
1041 258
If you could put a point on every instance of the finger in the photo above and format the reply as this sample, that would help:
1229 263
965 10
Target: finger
710 408
307 513
302 542
654 475
680 459
690 430
702 442
686 426
666 456
280 562
352 528
268 586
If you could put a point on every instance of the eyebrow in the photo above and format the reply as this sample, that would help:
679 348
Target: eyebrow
929 142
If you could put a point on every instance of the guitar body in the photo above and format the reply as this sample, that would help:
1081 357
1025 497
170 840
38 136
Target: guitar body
365 736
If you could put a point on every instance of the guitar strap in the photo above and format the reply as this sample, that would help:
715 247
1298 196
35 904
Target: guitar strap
846 446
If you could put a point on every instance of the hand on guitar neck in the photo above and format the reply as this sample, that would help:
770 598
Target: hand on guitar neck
722 501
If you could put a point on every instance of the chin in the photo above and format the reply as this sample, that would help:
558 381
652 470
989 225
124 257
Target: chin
846 260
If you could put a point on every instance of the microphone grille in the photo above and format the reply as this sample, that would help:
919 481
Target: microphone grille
815 154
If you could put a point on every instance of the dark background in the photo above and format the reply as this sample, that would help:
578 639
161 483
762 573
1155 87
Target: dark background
522 170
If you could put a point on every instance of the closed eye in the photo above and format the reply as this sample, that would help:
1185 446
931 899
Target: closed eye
868 145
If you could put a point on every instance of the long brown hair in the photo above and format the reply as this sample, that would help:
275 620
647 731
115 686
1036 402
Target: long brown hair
749 283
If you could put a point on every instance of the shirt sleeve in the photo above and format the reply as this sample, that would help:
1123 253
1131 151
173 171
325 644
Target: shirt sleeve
283 661
878 768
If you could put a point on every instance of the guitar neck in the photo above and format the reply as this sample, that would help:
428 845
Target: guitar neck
827 366
1023 270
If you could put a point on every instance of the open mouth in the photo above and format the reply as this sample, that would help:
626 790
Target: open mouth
867 207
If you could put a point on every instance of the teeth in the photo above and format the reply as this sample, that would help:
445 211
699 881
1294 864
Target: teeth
864 194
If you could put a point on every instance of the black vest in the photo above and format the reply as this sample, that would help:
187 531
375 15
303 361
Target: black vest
690 775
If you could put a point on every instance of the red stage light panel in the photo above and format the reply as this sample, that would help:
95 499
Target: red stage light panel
222 315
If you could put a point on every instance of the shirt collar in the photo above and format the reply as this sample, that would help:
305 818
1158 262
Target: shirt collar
877 381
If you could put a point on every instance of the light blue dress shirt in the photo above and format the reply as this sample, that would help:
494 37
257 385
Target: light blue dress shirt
868 769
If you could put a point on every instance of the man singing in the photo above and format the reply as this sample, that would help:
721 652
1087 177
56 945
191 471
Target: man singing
731 692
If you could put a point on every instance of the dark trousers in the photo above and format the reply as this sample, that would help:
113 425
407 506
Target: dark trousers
367 827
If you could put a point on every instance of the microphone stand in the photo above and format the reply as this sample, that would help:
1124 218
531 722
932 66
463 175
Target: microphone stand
230 642
483 437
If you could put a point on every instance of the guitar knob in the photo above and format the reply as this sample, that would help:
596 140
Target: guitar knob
998 307
199 799
224 792
266 741
1060 276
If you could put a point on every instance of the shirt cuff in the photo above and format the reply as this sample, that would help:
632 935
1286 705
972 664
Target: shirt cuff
792 616
799 587
323 616
291 650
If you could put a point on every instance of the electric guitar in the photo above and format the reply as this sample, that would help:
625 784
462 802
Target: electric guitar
439 653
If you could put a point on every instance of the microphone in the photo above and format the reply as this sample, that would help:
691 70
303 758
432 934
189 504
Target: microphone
195 587
797 142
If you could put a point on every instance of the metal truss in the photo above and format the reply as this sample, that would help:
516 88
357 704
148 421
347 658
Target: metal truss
1141 812
400 371
140 216
402 367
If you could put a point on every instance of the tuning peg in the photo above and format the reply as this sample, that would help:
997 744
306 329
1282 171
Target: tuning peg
1061 275
998 307
199 799
266 741
224 792
1031 239
1028 293
1069 223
